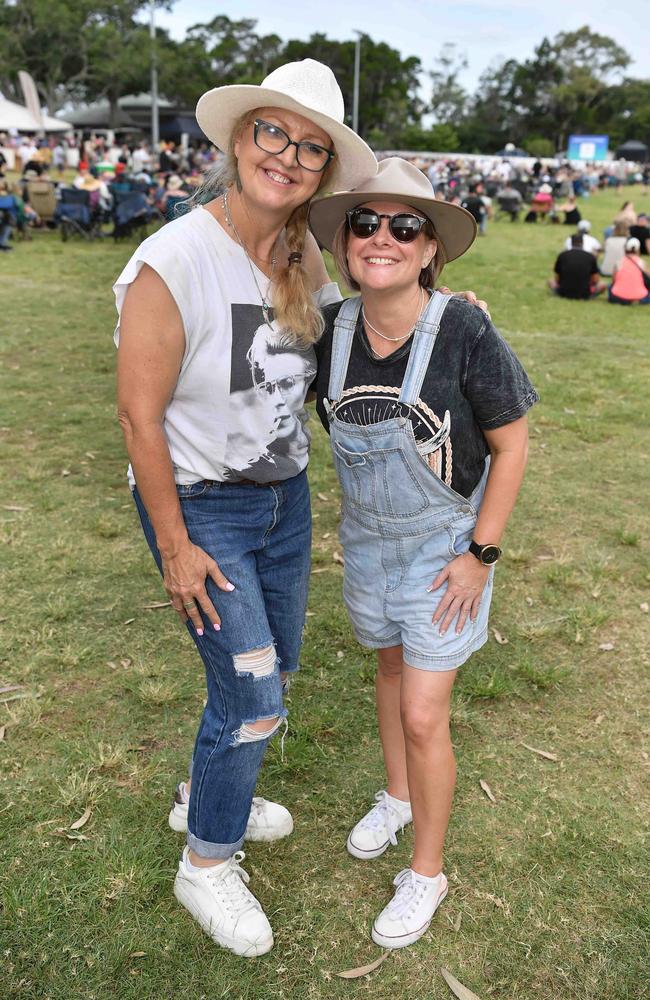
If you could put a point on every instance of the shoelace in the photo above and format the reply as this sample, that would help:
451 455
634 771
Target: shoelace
232 879
410 891
384 816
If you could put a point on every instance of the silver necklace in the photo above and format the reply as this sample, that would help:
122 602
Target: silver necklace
266 305
394 340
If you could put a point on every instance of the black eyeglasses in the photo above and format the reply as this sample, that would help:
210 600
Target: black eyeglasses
272 139
404 227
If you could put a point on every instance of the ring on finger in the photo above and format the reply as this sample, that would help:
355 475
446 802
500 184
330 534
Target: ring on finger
189 605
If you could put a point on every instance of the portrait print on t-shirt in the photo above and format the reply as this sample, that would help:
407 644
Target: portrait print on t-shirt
269 378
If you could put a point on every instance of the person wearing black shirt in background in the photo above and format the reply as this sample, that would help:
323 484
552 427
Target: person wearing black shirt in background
576 273
641 232
474 204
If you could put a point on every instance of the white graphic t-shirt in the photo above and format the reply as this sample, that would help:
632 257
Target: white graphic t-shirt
238 409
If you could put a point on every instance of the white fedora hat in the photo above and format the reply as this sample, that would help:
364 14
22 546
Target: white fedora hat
310 89
396 180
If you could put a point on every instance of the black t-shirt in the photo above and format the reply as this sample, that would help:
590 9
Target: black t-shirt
475 206
473 374
574 269
642 233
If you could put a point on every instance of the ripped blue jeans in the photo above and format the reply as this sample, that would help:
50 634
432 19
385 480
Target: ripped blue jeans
261 539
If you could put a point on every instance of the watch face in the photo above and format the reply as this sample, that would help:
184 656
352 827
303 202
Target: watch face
490 554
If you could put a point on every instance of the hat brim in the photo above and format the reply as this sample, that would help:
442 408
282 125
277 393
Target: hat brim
218 111
454 226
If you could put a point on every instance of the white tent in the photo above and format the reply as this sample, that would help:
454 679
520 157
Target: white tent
15 116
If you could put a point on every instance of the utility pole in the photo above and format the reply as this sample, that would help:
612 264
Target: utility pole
155 127
357 66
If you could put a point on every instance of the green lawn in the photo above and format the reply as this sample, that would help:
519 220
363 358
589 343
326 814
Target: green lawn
547 885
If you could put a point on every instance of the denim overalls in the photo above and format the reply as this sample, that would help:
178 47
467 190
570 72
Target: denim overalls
400 523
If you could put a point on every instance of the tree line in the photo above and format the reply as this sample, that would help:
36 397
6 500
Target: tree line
84 51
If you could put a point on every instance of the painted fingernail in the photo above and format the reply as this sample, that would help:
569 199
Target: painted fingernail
429 589
199 631
216 627
230 586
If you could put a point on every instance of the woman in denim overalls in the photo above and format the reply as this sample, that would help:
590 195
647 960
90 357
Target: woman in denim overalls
419 554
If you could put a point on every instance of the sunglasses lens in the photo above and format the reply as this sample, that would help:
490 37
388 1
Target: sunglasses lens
405 228
363 223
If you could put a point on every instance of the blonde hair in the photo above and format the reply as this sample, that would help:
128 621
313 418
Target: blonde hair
293 303
427 277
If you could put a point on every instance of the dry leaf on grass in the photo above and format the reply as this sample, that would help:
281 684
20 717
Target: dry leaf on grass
83 819
17 695
599 719
501 639
309 614
13 506
456 987
457 922
62 832
606 647
363 970
3 730
321 569
326 535
10 687
156 604
321 496
89 454
541 753
129 621
529 602
544 558
338 558
645 606
488 791
137 954
65 472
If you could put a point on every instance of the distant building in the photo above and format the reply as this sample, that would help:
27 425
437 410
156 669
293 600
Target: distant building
134 118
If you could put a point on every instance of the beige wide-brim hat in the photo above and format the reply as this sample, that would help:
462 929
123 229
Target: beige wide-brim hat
310 89
400 181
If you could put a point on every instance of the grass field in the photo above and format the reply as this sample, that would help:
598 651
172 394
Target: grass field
547 885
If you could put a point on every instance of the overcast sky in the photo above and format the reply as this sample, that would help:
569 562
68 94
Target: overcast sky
484 30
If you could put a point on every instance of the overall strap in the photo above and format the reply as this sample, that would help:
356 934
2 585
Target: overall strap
344 327
426 332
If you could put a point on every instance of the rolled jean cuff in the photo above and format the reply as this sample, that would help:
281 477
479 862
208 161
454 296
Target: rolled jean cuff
205 849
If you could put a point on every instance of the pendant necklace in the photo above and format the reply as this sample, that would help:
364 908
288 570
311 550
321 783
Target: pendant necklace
394 340
266 305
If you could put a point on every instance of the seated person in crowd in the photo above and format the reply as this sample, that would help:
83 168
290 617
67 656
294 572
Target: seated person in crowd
475 205
631 279
614 248
8 215
589 243
576 273
641 231
571 211
509 201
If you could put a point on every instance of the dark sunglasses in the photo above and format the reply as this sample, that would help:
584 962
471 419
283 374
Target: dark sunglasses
404 227
272 139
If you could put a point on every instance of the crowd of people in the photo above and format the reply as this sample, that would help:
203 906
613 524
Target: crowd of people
583 263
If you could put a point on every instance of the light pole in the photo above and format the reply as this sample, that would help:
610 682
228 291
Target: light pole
355 97
155 127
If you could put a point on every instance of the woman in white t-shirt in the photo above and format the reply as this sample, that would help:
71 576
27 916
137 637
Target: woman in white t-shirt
219 312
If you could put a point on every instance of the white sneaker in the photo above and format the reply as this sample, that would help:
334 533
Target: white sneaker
378 828
409 913
227 911
267 820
